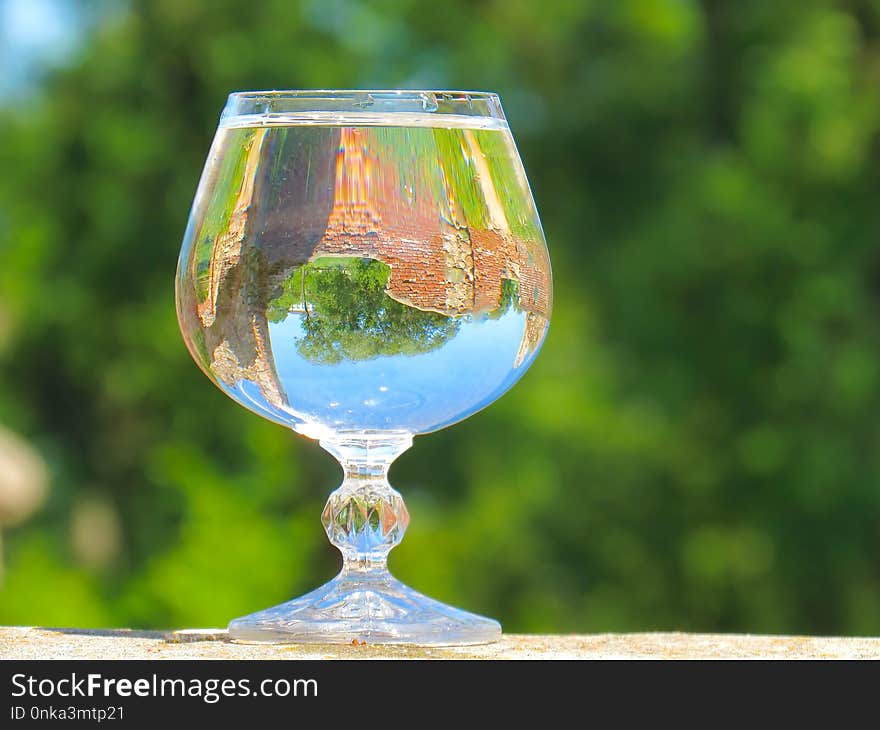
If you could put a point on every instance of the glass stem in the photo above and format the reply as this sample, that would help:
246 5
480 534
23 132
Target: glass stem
365 517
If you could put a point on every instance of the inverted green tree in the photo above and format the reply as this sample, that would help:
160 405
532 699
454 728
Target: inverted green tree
347 314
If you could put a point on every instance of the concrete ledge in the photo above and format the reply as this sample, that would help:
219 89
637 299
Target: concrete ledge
44 643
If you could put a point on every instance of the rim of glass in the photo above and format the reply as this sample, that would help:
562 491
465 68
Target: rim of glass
436 102
344 92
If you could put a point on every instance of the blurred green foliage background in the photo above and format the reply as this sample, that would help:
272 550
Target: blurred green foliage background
697 445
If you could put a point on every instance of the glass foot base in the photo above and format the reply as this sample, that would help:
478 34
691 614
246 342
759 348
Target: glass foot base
365 607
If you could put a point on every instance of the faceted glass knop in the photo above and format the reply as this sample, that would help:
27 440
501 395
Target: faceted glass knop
365 520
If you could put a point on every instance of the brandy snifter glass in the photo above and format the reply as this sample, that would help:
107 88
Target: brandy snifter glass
363 267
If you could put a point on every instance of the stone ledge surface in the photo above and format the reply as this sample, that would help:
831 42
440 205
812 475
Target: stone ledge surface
46 643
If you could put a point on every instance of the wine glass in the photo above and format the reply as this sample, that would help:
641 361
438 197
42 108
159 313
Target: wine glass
363 267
